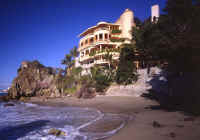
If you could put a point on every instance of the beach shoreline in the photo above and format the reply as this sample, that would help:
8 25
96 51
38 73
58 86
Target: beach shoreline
144 112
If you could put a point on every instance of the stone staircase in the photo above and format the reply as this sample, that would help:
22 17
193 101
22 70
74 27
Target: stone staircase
136 89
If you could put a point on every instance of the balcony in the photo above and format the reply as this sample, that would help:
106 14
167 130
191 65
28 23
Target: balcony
117 39
86 57
94 54
102 28
116 31
95 62
94 43
101 61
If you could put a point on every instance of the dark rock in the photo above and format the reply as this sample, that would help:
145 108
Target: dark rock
85 92
156 124
34 79
56 132
172 134
180 126
9 104
189 119
24 99
5 98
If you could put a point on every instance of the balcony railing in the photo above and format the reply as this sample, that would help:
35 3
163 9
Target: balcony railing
102 28
117 39
95 43
116 31
104 51
92 54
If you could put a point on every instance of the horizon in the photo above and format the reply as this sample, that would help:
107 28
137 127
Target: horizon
47 30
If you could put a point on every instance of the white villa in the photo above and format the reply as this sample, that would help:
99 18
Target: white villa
96 40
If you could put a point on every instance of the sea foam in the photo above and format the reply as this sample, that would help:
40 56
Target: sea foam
25 121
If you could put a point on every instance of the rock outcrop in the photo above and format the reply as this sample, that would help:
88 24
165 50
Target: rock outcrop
85 92
34 79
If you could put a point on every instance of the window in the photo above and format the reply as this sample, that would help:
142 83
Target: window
114 28
100 36
106 36
111 28
86 41
95 37
87 52
91 40
92 61
82 53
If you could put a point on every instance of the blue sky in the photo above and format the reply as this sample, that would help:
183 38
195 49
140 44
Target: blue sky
47 29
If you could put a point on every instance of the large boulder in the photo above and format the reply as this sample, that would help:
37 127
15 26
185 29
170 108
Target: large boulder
85 92
34 79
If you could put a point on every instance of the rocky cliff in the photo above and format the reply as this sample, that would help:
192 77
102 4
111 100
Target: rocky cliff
34 79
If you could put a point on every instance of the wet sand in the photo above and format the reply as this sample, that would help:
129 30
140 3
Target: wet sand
171 125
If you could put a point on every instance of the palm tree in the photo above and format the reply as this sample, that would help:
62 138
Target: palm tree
109 57
67 61
74 52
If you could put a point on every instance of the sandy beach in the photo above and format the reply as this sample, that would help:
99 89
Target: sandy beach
171 125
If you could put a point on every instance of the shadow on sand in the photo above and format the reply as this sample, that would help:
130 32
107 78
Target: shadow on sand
175 92
160 93
15 132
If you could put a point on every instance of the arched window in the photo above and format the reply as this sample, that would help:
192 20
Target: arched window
106 36
96 37
91 40
100 36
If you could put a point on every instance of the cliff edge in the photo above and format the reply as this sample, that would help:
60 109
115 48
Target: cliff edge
34 79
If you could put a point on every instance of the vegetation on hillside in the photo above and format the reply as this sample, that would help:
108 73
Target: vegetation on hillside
175 40
126 71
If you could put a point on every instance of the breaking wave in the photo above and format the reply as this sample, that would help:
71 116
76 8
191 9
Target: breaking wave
25 121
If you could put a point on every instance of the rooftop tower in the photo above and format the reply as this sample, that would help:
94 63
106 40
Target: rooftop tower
126 21
155 12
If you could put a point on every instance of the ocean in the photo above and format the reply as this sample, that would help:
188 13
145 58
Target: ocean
2 94
25 121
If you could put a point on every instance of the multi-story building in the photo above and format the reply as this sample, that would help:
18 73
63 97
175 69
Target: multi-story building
97 40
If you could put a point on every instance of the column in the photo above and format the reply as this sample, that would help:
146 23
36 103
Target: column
100 48
89 51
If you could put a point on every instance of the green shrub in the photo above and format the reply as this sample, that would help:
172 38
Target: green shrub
102 82
116 31
70 90
87 80
126 72
92 53
100 78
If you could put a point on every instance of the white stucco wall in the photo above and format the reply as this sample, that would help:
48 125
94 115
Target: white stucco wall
126 22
